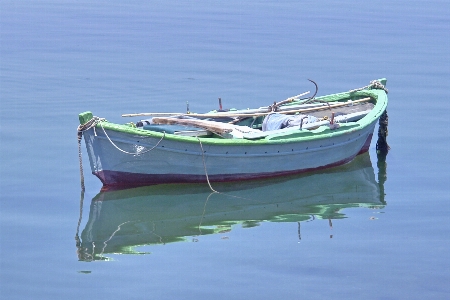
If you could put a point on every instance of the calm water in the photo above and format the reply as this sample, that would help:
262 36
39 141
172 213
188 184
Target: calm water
372 229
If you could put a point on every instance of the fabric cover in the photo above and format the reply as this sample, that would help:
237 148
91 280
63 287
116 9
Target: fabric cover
276 121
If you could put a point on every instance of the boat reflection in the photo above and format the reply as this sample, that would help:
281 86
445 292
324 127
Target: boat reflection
119 221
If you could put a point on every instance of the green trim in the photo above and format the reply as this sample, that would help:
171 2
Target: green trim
85 117
322 132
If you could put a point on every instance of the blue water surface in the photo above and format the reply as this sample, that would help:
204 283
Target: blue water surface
375 229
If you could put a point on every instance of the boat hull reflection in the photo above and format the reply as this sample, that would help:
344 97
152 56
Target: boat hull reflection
119 221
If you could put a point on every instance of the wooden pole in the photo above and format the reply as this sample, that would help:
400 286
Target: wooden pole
216 127
232 115
290 99
283 112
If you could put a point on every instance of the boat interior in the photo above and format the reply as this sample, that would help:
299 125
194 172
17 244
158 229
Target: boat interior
307 114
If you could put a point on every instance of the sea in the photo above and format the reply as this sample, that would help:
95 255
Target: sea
376 228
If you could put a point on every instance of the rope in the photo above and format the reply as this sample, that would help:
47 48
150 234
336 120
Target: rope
203 213
81 163
204 166
81 128
77 237
374 84
92 123
105 243
382 145
130 153
207 178
89 124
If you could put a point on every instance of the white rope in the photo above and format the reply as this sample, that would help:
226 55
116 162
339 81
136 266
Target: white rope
203 213
126 152
204 165
90 124
207 178
105 243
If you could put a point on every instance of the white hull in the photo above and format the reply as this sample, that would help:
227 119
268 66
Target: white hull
122 155
175 161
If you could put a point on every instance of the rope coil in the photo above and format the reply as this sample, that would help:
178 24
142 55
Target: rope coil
374 84
88 125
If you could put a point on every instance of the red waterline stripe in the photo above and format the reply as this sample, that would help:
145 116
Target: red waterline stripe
366 145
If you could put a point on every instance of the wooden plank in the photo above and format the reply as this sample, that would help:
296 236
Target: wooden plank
216 127
344 110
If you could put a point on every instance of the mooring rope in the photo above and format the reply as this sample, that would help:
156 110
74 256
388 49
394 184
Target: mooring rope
105 243
81 164
203 213
81 128
92 123
204 166
77 237
131 153
382 145
207 177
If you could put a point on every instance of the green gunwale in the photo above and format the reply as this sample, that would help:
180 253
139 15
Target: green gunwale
323 132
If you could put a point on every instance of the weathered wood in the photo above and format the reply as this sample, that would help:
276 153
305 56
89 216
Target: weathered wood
331 106
343 110
232 115
288 100
155 114
301 110
216 127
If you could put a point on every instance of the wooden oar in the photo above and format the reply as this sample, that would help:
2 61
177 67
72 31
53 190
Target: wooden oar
290 99
174 114
275 105
234 131
284 112
232 115
217 127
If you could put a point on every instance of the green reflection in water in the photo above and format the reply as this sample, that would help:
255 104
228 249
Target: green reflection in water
120 221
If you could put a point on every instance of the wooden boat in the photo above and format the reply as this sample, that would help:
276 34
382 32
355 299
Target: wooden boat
235 145
123 220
